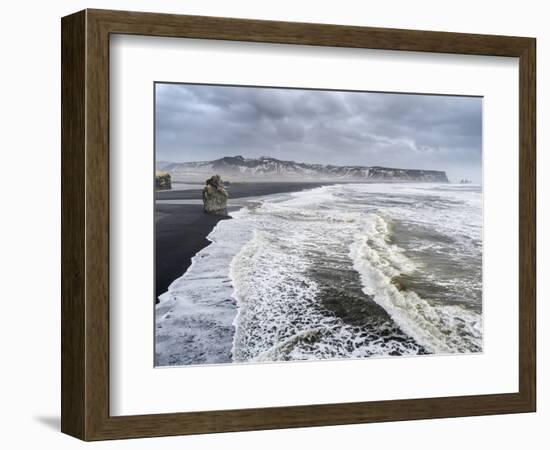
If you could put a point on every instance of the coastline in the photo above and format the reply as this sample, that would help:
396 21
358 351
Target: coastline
180 233
181 229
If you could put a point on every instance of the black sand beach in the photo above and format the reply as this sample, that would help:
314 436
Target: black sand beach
181 230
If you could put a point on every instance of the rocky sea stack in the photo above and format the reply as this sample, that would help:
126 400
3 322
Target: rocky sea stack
163 181
214 196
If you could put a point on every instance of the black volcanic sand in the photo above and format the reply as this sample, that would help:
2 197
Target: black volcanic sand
181 230
237 190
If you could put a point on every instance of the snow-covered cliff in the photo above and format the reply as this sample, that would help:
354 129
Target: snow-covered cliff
269 169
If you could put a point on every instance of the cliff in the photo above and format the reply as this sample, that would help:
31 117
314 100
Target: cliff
272 169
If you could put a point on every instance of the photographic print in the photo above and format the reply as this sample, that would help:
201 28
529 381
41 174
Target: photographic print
302 224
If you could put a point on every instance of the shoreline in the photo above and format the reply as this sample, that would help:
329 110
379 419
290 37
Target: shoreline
181 228
180 233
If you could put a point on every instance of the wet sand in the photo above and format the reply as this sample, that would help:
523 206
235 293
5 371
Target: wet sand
238 190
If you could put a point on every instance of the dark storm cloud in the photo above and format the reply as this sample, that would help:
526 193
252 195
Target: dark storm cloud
196 122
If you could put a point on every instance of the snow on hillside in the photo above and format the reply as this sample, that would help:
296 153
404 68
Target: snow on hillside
269 169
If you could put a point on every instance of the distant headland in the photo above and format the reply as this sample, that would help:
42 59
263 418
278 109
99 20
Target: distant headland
271 169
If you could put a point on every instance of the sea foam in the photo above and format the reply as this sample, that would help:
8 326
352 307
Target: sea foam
338 271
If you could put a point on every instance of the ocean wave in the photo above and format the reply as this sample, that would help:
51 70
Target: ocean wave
281 315
441 329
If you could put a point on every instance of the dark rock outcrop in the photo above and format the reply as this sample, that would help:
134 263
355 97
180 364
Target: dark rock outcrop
214 196
163 181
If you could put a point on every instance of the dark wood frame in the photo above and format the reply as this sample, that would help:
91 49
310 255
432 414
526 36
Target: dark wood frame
85 224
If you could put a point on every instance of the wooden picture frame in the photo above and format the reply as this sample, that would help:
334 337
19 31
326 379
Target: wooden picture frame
85 224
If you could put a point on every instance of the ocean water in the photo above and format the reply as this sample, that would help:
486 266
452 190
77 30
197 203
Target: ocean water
342 271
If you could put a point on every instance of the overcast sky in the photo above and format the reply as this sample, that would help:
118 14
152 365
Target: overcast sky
202 122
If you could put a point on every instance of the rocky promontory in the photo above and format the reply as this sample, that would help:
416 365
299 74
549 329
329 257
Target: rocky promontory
163 181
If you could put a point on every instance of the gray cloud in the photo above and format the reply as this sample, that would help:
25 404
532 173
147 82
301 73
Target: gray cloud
202 122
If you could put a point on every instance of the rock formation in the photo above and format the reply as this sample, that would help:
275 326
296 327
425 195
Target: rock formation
163 180
214 196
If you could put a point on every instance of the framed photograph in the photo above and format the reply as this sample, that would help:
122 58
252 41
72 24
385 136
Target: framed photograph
273 225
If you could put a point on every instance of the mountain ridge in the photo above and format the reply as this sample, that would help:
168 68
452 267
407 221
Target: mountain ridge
269 168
